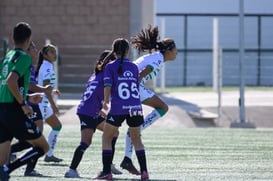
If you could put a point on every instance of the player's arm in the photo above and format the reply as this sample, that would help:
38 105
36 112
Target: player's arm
37 88
50 98
144 72
105 106
14 89
107 91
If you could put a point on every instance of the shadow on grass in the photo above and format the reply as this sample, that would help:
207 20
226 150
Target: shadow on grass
124 179
189 107
54 164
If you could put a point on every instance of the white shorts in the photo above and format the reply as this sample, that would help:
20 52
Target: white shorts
145 93
46 111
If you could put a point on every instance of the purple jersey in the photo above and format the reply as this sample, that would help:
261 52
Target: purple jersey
91 102
32 75
32 80
124 87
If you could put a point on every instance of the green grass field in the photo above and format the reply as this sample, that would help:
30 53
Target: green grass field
193 154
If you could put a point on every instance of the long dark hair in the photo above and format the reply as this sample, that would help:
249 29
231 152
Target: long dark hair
106 57
119 48
148 40
42 52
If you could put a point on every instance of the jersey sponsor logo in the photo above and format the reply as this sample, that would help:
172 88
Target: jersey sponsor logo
128 74
5 71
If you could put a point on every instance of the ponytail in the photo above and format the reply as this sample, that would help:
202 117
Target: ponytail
148 40
40 61
120 64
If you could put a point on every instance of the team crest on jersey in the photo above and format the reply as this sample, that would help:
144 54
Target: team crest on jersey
128 74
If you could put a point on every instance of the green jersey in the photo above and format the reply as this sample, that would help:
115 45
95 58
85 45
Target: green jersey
19 62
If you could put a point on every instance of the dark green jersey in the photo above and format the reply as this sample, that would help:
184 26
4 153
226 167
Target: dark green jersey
19 62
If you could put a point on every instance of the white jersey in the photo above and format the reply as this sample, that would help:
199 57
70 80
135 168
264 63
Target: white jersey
154 61
46 73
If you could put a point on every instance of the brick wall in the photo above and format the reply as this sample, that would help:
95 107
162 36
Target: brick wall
80 28
68 22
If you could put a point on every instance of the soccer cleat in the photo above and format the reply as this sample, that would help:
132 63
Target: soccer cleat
52 159
4 176
127 164
104 176
71 174
115 170
12 157
144 175
32 173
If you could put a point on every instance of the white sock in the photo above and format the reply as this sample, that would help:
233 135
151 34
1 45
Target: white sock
52 140
128 146
150 119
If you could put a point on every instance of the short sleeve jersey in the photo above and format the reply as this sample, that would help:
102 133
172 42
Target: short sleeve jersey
91 102
46 74
154 61
124 87
19 62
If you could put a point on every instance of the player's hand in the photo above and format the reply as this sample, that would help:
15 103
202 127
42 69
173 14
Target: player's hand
56 92
105 110
27 109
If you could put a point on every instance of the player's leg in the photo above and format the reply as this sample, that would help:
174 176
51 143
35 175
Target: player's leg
40 146
109 131
88 128
4 152
137 142
148 98
37 118
160 109
56 126
127 163
30 168
100 126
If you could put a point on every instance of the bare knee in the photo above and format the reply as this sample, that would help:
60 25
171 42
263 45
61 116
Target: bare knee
165 108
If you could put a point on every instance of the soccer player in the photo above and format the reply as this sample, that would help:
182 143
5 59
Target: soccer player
46 76
121 82
149 66
88 113
15 114
37 116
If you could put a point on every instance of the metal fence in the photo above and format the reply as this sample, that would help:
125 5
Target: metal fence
193 35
